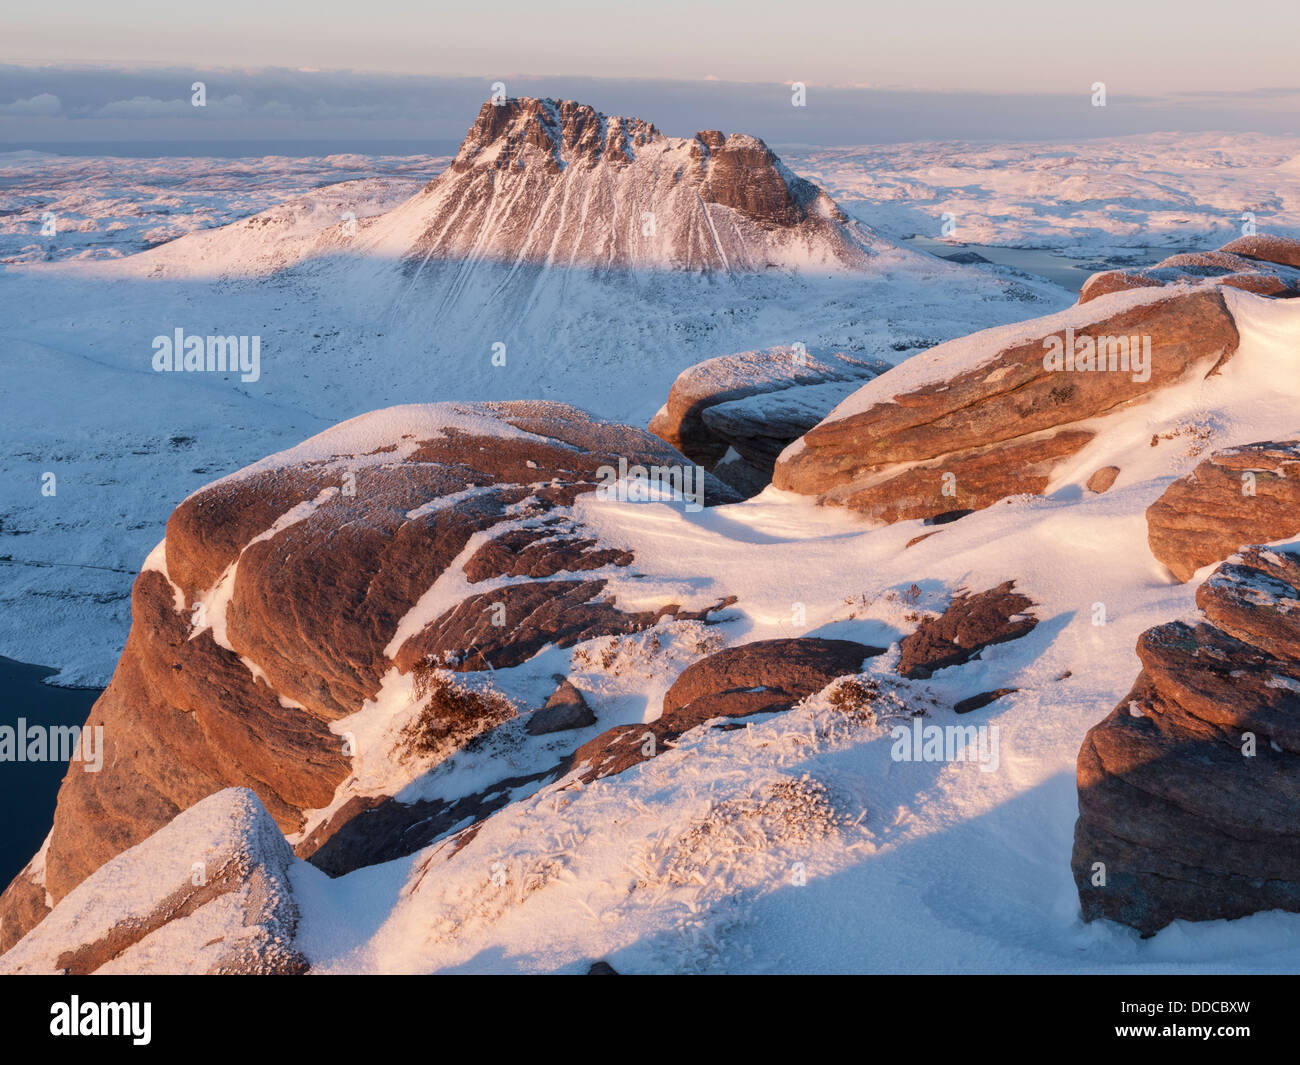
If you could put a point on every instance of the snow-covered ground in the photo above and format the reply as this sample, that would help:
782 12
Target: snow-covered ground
1092 198
104 207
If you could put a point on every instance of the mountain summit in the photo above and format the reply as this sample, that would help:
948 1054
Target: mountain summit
558 183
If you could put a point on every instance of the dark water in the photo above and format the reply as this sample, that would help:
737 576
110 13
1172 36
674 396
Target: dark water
28 789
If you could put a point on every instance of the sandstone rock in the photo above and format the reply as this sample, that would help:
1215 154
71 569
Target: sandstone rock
978 702
1238 496
754 404
270 610
999 423
207 893
971 623
1281 250
565 709
1102 479
761 677
1184 823
1265 265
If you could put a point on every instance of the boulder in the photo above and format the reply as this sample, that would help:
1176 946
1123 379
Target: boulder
766 676
1284 251
977 420
970 623
284 594
1269 266
207 893
1101 479
736 413
1188 788
1241 495
565 709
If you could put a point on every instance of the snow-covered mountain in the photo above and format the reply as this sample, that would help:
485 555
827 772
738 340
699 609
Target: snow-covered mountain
549 183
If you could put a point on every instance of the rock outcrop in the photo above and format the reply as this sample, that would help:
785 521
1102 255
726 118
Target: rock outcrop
284 594
1238 496
1188 789
766 676
735 414
971 622
990 416
1268 266
207 893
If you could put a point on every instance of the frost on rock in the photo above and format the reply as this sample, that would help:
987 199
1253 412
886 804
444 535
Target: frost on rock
208 893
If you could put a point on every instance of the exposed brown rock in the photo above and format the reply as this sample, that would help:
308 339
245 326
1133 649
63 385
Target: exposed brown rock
761 677
1108 281
1000 428
322 577
1281 250
1241 495
1264 265
978 702
565 709
971 623
1188 789
1102 479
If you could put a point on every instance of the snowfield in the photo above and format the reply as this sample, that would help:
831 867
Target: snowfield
1091 199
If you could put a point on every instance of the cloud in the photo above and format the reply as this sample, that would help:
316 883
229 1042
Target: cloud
151 107
44 105
145 107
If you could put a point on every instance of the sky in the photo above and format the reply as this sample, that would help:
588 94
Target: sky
75 70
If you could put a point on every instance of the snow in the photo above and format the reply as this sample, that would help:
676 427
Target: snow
1089 198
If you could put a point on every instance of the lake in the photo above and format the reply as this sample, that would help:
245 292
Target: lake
28 789
1054 266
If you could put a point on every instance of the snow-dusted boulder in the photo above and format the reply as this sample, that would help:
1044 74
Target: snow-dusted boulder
287 594
736 413
992 415
1269 266
1238 496
1188 790
207 893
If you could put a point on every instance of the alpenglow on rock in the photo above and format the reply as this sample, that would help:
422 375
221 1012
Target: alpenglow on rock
286 594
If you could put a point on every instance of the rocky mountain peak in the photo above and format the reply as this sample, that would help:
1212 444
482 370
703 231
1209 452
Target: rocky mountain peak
558 182
564 132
